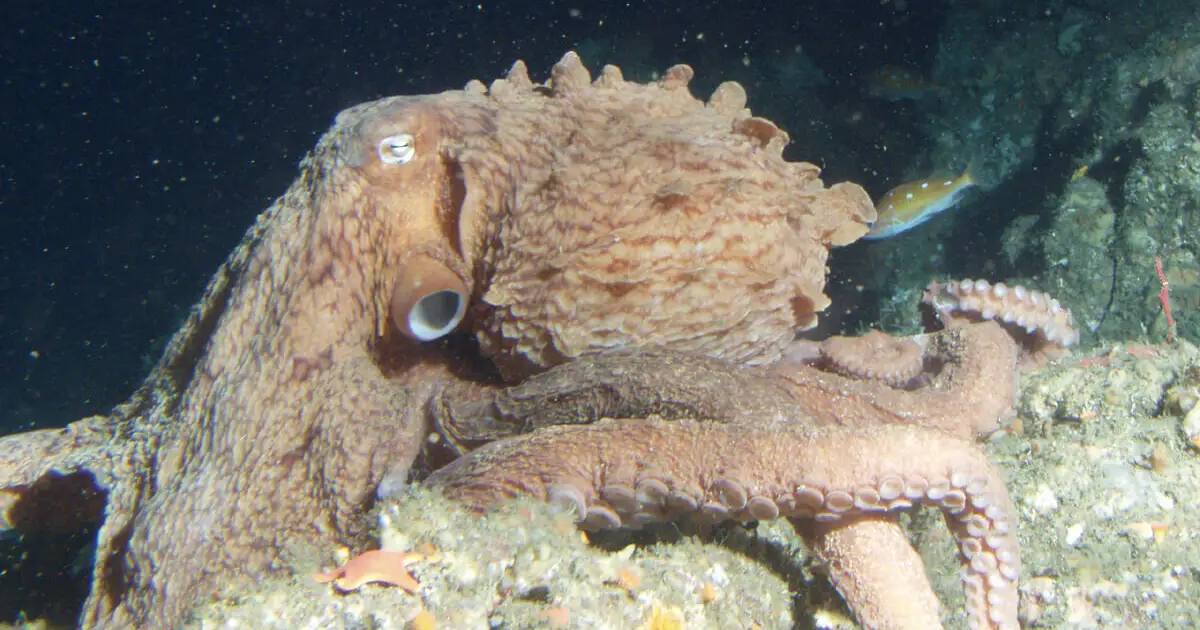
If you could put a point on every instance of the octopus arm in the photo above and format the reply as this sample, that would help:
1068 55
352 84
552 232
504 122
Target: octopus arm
967 389
629 472
965 382
871 563
619 383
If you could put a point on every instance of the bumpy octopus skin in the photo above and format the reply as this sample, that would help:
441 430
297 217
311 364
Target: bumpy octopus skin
837 455
553 221
667 222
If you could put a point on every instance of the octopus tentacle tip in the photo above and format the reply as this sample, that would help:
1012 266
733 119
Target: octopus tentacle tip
428 300
1029 314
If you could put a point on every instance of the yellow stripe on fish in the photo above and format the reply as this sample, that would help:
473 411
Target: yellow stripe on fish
909 205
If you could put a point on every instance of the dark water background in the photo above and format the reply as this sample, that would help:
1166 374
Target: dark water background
140 139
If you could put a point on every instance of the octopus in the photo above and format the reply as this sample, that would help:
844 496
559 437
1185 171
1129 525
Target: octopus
595 284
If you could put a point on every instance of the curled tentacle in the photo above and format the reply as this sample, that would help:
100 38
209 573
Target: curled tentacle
967 386
876 356
630 472
1044 327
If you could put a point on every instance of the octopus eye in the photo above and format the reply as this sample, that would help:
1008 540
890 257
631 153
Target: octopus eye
397 149
429 300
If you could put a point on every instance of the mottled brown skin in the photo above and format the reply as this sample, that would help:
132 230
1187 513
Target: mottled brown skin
662 221
578 216
281 403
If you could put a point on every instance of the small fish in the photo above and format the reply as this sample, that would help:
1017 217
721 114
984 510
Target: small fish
909 205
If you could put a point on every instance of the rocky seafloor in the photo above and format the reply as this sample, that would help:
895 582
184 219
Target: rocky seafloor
1103 463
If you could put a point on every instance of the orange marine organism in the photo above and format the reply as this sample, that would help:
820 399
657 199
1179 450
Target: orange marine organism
375 566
